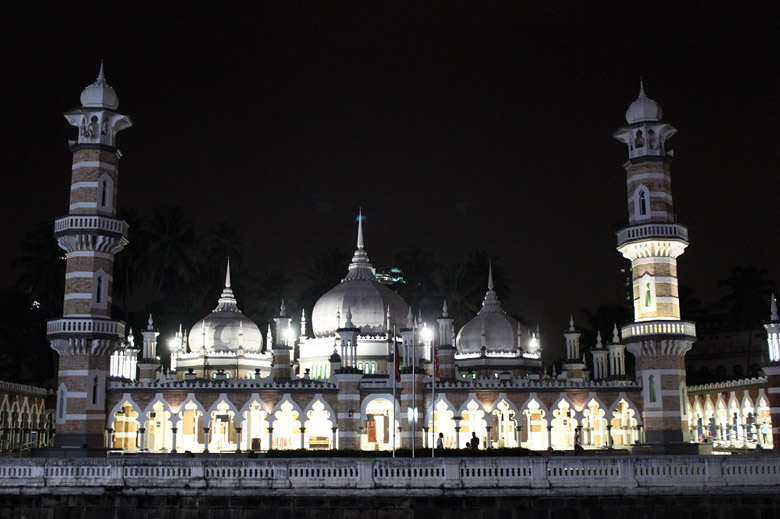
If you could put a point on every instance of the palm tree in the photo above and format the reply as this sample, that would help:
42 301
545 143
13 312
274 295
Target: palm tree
43 269
171 250
128 271
748 299
418 288
326 270
453 287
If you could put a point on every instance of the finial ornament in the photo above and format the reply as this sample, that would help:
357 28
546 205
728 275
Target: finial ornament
150 323
599 344
410 318
444 309
227 274
641 88
360 229
283 309
615 335
571 323
490 275
101 76
774 316
349 324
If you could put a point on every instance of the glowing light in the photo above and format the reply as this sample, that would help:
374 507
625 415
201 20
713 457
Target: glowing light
174 343
426 333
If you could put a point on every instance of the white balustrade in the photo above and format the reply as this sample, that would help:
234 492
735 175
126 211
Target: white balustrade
90 223
663 230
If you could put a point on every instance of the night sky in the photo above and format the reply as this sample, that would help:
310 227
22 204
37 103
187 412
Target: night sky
456 126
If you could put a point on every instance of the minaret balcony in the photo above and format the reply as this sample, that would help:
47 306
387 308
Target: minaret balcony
84 327
663 231
77 224
660 329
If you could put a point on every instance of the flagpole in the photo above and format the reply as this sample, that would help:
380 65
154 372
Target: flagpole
434 437
414 389
394 375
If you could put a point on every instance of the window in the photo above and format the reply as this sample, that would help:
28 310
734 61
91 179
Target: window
103 191
99 290
642 203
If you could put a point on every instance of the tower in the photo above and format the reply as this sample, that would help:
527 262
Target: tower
772 369
86 335
652 242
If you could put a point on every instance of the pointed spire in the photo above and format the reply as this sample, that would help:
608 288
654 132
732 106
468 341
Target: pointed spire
410 319
642 88
227 274
571 323
338 318
774 316
283 309
303 322
360 229
348 323
150 323
490 275
615 335
444 309
599 344
101 76
227 301
269 338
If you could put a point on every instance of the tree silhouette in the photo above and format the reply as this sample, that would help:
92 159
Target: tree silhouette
418 288
43 270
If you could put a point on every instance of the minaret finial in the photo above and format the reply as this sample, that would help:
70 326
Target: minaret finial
571 323
227 274
101 76
615 336
360 229
150 323
444 312
774 316
641 88
490 275
599 344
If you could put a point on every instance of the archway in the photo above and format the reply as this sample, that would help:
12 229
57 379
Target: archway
442 421
623 424
563 426
318 426
594 425
765 423
191 436
535 430
473 423
158 435
124 427
698 422
222 429
254 430
504 433
287 426
379 426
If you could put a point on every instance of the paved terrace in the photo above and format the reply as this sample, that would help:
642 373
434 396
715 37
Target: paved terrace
537 476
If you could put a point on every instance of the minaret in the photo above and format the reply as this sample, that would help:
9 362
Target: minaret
652 242
86 335
599 359
283 347
446 348
573 365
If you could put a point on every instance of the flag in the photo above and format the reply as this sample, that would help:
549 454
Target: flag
397 364
436 363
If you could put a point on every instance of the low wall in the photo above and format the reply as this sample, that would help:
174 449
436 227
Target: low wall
532 476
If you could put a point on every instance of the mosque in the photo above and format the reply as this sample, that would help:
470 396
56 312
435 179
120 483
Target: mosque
371 376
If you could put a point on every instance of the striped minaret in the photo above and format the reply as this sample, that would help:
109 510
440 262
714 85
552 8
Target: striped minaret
653 241
772 370
86 335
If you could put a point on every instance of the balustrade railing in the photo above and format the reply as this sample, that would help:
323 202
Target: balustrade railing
85 325
659 327
90 223
651 230
671 474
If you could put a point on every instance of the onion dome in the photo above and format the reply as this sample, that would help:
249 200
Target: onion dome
100 94
361 294
643 109
226 329
492 328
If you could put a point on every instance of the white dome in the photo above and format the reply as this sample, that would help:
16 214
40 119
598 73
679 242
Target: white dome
226 328
361 294
100 94
643 109
492 328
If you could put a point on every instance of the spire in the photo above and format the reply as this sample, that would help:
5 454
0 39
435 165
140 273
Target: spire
227 301
361 267
283 309
615 336
490 275
444 309
303 322
599 344
348 323
642 88
491 304
360 229
774 316
410 319
571 323
101 77
150 323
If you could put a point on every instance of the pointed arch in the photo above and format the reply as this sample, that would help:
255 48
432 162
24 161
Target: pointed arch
158 399
318 396
374 396
222 398
253 399
533 397
318 420
192 400
641 202
472 397
126 399
622 396
62 403
105 193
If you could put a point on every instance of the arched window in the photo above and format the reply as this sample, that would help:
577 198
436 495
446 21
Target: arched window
99 290
642 203
103 192
652 388
94 391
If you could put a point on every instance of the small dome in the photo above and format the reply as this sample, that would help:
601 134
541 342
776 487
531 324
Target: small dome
361 294
492 328
643 109
100 94
226 329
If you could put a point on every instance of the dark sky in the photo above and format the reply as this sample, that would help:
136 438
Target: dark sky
455 126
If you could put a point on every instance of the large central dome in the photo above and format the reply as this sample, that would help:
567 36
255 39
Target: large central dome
492 328
361 294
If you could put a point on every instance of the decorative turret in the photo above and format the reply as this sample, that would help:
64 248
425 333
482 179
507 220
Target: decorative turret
600 371
86 336
283 346
617 357
348 336
772 369
573 365
652 242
